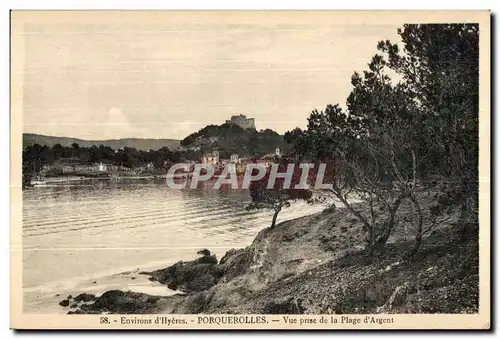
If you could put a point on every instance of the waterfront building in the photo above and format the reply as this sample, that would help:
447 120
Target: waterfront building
210 158
235 158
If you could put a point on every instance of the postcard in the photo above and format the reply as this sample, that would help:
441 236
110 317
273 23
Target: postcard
250 170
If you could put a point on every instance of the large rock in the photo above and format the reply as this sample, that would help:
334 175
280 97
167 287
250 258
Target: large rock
190 276
204 252
85 297
288 305
120 302
229 254
236 262
116 301
64 303
397 298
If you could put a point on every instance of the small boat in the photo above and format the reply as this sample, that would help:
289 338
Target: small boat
38 182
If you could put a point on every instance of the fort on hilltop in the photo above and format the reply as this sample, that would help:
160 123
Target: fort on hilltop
242 121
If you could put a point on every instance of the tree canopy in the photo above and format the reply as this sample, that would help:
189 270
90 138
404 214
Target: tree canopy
229 138
411 121
280 194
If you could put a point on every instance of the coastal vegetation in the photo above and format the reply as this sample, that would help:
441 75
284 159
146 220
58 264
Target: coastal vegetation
314 265
36 157
398 139
230 138
277 195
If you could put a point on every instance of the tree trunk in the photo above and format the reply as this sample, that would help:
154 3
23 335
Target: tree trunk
418 237
372 246
414 163
466 224
371 230
356 213
275 216
386 233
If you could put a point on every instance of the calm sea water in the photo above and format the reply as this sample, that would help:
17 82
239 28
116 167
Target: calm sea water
100 226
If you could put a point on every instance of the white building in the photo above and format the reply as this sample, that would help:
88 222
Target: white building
102 167
211 158
235 158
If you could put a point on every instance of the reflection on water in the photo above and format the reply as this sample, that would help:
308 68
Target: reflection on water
92 226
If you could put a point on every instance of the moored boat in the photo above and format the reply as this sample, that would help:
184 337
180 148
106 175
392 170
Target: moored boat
38 182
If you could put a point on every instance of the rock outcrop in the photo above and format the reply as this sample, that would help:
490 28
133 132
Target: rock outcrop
189 276
315 264
120 302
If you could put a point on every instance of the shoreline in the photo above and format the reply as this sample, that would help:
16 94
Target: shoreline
71 179
41 280
299 264
42 296
129 278
47 295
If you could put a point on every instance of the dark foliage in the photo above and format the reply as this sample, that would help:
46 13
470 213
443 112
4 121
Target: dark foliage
280 194
230 138
401 137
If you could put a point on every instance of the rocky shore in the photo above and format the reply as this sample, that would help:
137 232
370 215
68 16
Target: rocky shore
314 264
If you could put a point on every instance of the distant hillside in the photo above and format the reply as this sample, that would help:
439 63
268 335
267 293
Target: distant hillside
140 144
230 138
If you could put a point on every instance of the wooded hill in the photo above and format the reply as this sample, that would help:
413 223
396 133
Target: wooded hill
137 143
230 138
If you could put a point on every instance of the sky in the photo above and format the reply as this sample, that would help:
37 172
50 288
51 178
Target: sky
104 79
